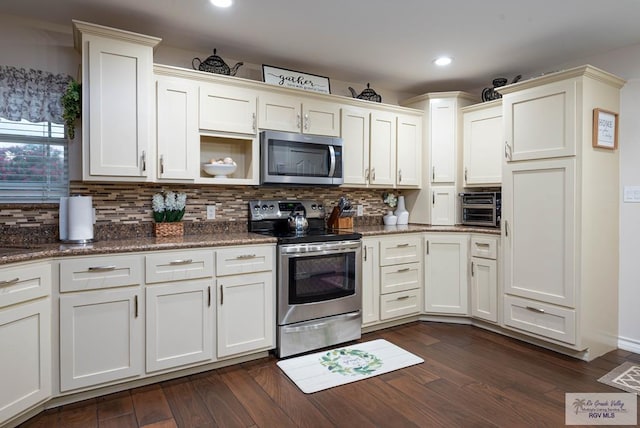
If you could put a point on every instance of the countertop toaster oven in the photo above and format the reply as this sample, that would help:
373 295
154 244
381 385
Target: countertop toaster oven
481 208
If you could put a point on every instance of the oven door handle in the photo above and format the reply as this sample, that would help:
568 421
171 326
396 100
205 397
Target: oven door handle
310 249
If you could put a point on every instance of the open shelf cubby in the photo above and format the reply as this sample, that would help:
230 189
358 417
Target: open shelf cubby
243 150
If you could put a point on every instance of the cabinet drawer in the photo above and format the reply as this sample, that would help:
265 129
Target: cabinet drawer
100 272
541 319
403 249
399 304
484 247
232 261
177 266
400 277
25 282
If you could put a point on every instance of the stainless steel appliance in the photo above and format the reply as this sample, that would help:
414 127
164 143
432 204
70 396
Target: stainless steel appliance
319 277
481 208
290 158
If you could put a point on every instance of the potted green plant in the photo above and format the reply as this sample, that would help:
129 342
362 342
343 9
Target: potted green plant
72 106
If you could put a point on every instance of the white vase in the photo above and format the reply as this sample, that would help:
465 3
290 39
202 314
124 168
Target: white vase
389 219
401 212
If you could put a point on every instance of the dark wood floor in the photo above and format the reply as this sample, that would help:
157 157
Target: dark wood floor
470 378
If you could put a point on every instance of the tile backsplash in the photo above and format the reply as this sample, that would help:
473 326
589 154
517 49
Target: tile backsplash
123 210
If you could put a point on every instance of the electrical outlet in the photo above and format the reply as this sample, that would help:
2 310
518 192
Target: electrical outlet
211 212
359 210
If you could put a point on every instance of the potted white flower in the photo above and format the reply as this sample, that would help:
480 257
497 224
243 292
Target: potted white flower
168 210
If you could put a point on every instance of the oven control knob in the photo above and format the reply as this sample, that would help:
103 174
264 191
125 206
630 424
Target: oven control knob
264 207
271 207
256 208
313 206
320 207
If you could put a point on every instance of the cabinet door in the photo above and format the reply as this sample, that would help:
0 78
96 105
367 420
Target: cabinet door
370 282
25 335
382 153
246 313
443 206
409 151
484 289
541 122
227 108
446 284
177 128
483 145
101 337
443 140
280 112
179 328
538 208
355 149
117 122
321 118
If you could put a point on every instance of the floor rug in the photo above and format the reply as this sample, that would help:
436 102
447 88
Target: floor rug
626 377
326 369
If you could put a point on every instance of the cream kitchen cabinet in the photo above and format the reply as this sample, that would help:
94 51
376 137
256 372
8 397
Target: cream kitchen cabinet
382 154
355 133
443 205
179 309
482 144
484 277
101 321
409 151
245 291
117 99
401 276
283 112
370 281
176 129
446 284
25 335
227 108
560 228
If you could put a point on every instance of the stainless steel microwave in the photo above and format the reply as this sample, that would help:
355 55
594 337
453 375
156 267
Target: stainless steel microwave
290 158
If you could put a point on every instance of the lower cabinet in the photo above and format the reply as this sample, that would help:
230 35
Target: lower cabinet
446 283
101 337
25 353
370 281
484 278
246 303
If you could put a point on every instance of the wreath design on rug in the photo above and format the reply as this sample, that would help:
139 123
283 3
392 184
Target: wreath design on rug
350 362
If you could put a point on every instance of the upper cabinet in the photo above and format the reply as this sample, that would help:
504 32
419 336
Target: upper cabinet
117 101
382 153
540 121
294 114
442 122
227 108
482 144
409 151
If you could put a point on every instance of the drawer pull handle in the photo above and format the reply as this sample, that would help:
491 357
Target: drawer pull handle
246 256
403 270
102 268
221 295
402 245
403 298
538 310
9 282
135 303
181 262
482 244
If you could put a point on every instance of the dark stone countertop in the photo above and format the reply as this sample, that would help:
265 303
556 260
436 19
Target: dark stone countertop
17 253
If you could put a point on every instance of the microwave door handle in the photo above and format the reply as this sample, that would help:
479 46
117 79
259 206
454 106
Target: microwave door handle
332 157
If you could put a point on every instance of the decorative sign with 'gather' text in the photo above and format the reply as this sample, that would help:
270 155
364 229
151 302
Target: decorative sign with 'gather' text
295 79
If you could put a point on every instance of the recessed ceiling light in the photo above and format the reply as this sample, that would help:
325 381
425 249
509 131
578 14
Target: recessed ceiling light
222 3
443 60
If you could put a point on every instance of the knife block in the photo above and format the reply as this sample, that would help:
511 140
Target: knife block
337 222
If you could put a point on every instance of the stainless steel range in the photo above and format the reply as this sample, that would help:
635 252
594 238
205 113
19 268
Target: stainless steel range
319 275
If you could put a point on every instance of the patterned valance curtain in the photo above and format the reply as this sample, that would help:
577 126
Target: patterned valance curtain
33 95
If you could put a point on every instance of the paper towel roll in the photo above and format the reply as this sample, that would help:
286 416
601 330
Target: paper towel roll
80 218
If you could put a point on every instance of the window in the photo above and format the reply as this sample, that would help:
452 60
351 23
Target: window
33 162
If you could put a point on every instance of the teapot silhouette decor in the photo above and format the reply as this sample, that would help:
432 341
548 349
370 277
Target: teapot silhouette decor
215 64
368 94
489 94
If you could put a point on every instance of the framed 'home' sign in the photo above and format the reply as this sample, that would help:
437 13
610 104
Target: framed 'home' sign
605 129
295 79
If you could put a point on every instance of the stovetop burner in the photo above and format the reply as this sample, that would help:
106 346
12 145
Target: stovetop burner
269 217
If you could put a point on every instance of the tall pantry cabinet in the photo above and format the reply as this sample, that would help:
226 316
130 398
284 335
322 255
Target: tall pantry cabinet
560 202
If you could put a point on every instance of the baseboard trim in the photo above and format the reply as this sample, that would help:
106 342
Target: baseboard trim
630 345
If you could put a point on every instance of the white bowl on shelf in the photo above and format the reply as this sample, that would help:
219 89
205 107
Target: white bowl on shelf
219 170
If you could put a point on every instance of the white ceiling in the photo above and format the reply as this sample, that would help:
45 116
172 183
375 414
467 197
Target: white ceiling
388 43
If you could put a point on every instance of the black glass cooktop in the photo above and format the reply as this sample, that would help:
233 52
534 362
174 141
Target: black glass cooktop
318 235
